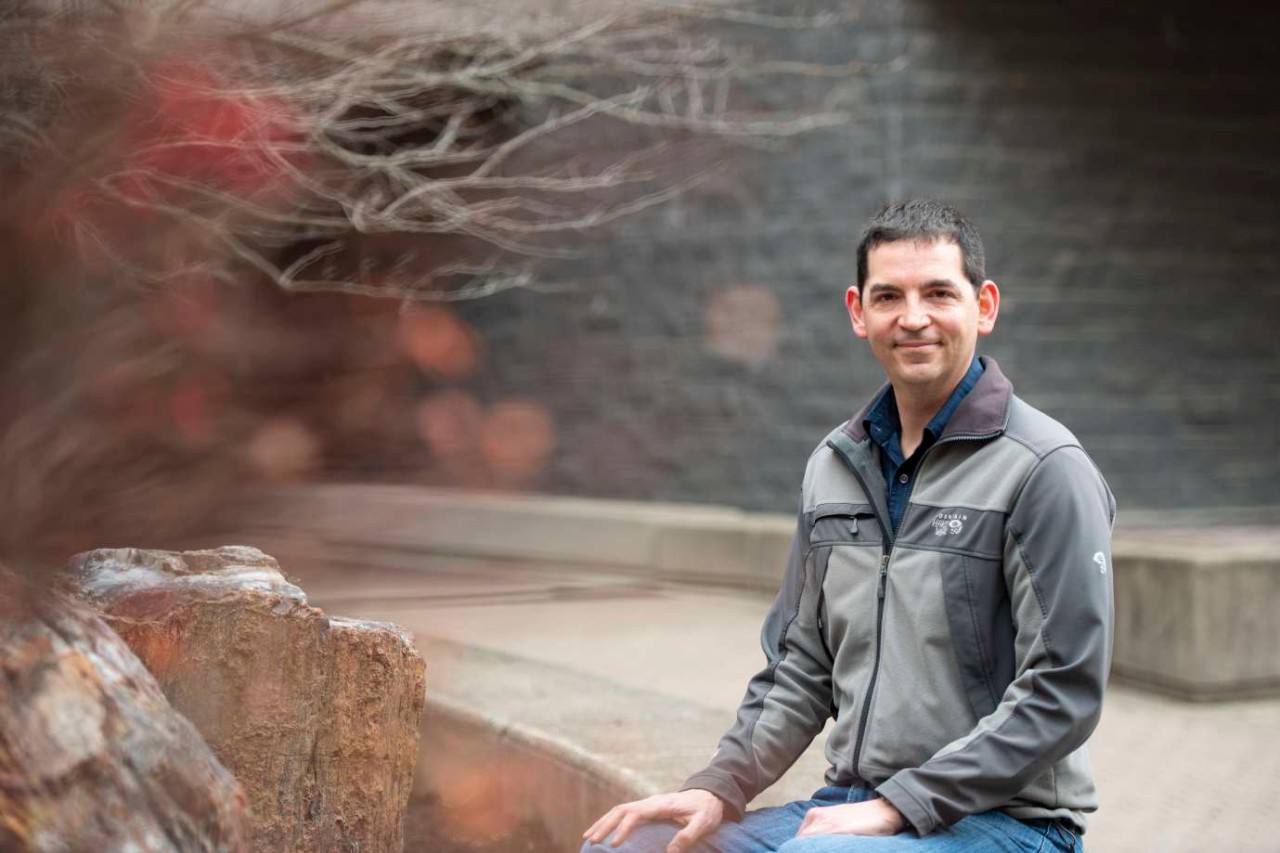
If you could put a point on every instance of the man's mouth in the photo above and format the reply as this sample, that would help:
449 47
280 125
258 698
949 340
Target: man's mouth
916 344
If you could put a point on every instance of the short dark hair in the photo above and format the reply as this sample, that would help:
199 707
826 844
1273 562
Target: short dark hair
927 220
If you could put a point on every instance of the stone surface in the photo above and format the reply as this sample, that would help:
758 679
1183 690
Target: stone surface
300 710
375 693
92 755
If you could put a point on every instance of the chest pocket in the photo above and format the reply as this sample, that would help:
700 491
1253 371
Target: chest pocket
845 541
844 524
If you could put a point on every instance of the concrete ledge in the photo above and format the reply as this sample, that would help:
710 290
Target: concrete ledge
509 739
1196 601
493 776
671 541
1196 616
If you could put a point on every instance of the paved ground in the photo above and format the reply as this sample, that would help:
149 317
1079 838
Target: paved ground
1174 776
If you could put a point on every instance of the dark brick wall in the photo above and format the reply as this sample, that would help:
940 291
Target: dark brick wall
1123 165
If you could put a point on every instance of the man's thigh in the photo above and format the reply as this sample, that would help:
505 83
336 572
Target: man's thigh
989 832
759 831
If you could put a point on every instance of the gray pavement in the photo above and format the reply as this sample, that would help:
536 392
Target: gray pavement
597 655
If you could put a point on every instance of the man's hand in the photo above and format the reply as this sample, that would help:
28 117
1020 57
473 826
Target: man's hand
698 812
873 817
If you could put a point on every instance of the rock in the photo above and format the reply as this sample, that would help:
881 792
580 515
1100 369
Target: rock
317 718
368 750
92 755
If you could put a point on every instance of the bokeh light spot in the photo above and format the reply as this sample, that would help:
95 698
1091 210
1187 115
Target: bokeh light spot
438 342
283 449
449 423
743 323
517 438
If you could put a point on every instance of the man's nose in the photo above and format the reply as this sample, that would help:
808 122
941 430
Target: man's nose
913 316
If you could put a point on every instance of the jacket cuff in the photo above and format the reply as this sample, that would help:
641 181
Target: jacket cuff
920 818
734 803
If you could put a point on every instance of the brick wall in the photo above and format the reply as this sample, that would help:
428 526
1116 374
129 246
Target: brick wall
1123 165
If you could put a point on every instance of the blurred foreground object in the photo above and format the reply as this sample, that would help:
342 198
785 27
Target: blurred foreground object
203 199
92 756
318 718
427 157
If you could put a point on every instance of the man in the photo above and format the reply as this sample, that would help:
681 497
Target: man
947 599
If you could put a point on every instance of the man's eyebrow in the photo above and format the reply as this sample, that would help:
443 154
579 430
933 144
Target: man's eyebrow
933 282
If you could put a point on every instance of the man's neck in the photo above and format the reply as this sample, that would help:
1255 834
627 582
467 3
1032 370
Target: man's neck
915 410
916 407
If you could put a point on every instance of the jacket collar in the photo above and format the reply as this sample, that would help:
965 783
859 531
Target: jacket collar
983 411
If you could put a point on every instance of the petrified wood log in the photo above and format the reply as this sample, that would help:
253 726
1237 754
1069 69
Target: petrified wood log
370 746
92 755
317 718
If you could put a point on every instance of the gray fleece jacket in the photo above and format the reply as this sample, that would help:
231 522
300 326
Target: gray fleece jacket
963 659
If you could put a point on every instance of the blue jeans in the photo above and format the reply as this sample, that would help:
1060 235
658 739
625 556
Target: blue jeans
774 829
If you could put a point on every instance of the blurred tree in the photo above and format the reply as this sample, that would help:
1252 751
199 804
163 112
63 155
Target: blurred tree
175 170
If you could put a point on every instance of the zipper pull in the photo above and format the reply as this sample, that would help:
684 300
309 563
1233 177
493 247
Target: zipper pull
884 576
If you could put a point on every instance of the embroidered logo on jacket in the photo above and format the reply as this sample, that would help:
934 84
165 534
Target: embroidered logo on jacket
948 523
1101 560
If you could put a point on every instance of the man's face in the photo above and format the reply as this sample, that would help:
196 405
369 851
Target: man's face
921 315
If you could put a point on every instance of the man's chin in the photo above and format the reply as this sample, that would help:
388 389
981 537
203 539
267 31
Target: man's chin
916 375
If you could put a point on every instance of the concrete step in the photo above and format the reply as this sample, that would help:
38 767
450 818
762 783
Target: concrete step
1196 599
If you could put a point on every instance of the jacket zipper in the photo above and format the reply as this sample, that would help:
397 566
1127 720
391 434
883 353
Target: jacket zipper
882 580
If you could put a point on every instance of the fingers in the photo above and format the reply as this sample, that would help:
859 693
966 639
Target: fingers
699 811
624 829
621 820
698 826
601 828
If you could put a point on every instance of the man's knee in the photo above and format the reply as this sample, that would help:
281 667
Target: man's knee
606 847
645 838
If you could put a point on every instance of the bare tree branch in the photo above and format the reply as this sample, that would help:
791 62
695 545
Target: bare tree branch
335 134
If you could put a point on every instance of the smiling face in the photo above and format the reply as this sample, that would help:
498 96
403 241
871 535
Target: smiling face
921 315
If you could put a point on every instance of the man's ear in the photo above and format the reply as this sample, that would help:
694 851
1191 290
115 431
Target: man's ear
988 307
853 302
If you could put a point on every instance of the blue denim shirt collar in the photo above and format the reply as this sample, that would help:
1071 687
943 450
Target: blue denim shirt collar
885 429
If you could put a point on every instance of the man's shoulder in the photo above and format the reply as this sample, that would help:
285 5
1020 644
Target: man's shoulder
1059 456
818 466
824 451
1038 432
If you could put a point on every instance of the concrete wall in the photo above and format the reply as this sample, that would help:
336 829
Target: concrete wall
1123 165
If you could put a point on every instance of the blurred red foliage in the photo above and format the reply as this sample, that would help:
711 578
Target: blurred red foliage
192 126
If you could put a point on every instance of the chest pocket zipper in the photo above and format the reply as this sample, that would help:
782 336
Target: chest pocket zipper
844 524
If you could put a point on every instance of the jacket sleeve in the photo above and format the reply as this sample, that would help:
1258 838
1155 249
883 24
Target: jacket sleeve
1057 566
787 702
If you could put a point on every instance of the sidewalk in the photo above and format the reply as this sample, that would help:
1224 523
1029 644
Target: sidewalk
1173 776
